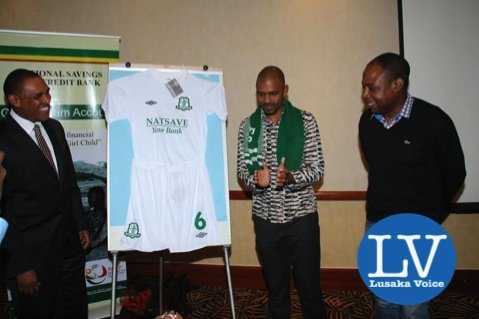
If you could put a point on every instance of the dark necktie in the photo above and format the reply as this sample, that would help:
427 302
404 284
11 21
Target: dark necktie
43 145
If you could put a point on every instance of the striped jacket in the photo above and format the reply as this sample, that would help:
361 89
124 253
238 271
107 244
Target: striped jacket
281 205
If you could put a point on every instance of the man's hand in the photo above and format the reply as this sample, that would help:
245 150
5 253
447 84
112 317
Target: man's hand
27 283
3 172
262 177
284 176
85 239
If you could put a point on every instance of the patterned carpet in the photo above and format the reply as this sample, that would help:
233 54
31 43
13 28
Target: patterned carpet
212 302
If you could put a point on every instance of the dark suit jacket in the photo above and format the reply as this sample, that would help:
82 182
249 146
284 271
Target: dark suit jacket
43 209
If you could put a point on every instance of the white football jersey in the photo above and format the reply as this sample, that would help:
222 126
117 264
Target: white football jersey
171 205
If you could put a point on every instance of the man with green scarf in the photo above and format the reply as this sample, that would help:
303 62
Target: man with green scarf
279 160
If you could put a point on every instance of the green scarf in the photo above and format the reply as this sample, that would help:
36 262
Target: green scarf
290 144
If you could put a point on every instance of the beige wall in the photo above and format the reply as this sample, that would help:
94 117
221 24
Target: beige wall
321 45
342 226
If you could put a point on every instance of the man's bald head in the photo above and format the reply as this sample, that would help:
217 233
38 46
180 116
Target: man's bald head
271 91
270 72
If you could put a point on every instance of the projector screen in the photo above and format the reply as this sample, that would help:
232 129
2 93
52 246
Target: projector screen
441 42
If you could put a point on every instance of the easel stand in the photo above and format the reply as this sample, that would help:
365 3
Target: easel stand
161 281
230 283
113 284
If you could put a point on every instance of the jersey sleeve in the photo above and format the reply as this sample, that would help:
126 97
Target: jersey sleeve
114 104
215 101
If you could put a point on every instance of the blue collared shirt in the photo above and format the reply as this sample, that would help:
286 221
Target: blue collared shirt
405 112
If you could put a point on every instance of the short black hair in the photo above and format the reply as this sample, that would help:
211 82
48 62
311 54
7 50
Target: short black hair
270 71
395 65
14 81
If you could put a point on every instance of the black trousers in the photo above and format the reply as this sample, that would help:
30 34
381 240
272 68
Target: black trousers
282 247
61 295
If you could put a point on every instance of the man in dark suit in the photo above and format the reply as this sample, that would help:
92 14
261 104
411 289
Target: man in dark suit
47 235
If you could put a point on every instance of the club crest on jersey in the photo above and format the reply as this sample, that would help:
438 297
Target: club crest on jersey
151 102
184 104
133 231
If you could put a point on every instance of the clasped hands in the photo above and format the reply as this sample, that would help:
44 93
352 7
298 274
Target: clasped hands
262 177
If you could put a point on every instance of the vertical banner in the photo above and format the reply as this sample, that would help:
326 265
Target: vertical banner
75 67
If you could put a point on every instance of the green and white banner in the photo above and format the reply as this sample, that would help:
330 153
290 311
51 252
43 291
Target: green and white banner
58 47
75 67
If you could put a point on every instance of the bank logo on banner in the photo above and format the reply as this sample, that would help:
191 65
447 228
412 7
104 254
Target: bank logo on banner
96 274
406 259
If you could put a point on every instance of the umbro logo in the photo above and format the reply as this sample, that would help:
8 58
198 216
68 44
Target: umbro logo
201 235
151 102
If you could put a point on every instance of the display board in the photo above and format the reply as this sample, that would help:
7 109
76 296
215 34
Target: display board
442 46
120 156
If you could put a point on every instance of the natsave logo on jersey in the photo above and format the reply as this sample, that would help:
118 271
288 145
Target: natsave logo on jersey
406 259
166 125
